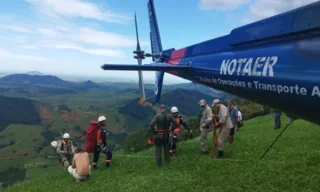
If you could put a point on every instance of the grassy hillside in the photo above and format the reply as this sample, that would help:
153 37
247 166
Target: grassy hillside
138 116
291 165
23 139
17 110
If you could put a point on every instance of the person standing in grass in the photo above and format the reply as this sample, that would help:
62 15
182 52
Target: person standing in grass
233 111
205 125
101 143
224 123
159 134
239 121
277 119
80 168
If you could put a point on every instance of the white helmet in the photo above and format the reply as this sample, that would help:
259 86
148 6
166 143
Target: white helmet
101 118
66 136
174 109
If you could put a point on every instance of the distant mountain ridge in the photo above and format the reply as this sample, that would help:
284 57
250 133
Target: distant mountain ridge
23 80
34 73
49 84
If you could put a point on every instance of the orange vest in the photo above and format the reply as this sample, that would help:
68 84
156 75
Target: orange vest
99 139
178 126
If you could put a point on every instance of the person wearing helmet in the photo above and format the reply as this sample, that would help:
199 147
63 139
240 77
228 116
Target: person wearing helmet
65 150
176 130
102 145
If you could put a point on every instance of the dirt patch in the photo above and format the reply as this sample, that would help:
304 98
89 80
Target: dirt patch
44 113
69 116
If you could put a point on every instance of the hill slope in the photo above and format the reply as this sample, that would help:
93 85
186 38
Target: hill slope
17 110
139 116
291 165
58 85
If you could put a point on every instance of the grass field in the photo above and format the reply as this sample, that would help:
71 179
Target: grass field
291 165
26 137
99 98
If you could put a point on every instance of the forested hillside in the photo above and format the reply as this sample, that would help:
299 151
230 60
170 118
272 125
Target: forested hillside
18 110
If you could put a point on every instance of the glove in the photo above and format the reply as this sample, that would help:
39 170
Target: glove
150 142
218 124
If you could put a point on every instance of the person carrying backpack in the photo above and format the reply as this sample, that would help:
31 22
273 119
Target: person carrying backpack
101 145
65 150
91 137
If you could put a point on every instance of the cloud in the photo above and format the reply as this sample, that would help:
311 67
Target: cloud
29 46
6 53
15 39
222 4
90 36
80 38
47 32
101 52
86 35
261 9
77 8
15 28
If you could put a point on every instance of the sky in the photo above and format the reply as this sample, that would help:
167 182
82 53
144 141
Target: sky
75 37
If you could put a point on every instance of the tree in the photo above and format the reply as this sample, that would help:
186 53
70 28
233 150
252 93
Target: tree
64 107
11 142
136 141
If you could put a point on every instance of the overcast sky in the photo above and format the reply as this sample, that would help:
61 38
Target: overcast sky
78 36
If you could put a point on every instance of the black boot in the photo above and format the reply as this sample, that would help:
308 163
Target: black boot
220 154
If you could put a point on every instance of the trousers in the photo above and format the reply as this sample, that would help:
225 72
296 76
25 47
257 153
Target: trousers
223 136
74 173
204 139
162 143
102 149
66 160
173 144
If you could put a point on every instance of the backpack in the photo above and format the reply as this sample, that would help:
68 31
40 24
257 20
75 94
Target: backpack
91 137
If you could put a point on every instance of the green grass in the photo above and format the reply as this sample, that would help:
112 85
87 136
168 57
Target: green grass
26 137
99 98
291 165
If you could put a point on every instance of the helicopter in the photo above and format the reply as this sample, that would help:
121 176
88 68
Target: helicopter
273 62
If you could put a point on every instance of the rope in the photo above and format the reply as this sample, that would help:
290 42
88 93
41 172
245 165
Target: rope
274 141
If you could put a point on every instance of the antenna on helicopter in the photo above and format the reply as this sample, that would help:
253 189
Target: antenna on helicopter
140 55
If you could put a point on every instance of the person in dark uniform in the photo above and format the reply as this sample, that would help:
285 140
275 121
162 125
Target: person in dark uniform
175 130
102 145
159 132
277 119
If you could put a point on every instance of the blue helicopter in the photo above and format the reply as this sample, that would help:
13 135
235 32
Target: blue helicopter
274 61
